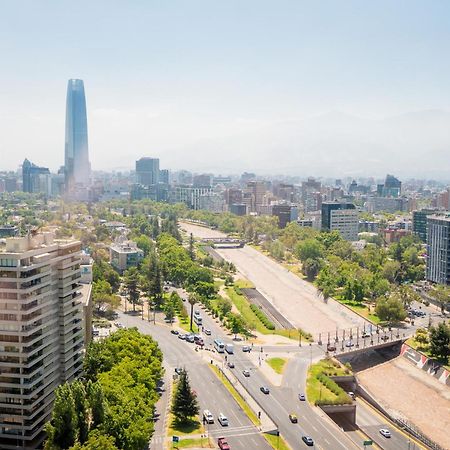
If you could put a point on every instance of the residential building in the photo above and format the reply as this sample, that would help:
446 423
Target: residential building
342 217
438 249
77 168
202 180
42 338
386 204
256 189
419 222
189 195
124 254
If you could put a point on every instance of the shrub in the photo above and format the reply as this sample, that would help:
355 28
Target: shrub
262 317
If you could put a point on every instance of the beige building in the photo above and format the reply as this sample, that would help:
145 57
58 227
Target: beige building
41 332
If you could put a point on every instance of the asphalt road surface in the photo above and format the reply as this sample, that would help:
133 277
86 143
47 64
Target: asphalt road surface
212 395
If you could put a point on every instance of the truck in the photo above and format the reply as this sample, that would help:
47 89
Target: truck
223 444
229 349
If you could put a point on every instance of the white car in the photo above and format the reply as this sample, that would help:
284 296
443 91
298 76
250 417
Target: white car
207 416
223 420
207 331
385 432
246 372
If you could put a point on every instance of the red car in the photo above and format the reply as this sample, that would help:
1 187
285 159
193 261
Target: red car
223 444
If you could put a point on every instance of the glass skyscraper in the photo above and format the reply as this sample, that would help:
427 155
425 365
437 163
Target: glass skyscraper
77 166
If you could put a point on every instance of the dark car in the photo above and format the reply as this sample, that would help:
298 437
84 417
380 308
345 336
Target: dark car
264 389
230 364
308 441
176 332
331 348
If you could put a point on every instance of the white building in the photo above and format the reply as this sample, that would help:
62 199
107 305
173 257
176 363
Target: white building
346 221
41 332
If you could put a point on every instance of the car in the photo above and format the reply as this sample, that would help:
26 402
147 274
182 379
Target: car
246 372
190 338
178 370
301 397
385 432
207 416
207 331
293 418
223 444
308 441
384 338
264 390
175 332
349 344
331 348
246 348
182 337
118 325
351 394
230 364
223 420
366 335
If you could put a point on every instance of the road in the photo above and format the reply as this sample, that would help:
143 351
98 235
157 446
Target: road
294 298
212 395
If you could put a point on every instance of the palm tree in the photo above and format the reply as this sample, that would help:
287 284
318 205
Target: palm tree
193 299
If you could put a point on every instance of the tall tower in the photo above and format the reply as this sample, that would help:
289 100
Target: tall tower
77 166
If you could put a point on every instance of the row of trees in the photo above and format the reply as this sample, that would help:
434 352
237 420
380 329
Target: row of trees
114 406
436 341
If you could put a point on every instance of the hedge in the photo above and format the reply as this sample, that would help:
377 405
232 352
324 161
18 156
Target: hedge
262 317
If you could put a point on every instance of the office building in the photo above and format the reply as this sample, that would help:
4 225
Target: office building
392 187
42 338
202 180
147 171
256 189
124 254
387 204
35 179
285 214
77 168
189 195
240 209
419 222
342 217
438 249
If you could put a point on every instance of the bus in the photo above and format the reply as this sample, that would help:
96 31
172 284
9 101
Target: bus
198 319
219 346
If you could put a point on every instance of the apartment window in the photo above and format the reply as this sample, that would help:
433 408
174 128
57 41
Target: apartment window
8 262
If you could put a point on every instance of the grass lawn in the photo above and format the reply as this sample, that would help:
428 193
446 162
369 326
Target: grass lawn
276 442
194 443
183 431
277 364
185 325
315 390
244 284
361 309
239 400
243 305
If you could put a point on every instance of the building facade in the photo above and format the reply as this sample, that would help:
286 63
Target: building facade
438 249
124 254
419 222
147 171
35 179
342 217
77 168
41 332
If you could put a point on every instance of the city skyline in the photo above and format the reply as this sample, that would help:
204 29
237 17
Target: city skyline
339 91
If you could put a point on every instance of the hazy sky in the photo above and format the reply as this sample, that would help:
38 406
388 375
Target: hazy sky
301 87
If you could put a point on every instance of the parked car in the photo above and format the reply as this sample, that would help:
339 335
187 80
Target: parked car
223 420
349 344
308 441
246 372
293 418
331 348
301 397
190 338
175 332
384 338
246 348
182 337
366 335
351 394
207 331
223 444
264 389
385 432
178 370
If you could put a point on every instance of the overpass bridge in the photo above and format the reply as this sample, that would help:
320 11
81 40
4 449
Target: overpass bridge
224 242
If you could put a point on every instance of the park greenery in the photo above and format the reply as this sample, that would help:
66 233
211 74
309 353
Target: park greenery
433 342
321 389
113 406
184 404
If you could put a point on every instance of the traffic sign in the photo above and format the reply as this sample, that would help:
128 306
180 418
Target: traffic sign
367 443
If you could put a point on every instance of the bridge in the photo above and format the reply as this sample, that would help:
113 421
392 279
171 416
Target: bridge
224 242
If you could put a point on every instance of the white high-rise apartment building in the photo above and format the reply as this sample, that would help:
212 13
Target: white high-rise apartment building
438 249
41 332
346 221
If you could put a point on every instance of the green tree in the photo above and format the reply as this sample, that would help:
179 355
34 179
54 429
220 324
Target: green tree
191 247
224 306
390 309
81 409
309 249
311 267
131 282
184 405
440 341
193 299
97 441
62 430
421 337
441 294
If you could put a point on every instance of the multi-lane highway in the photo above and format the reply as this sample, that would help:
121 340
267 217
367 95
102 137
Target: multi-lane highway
212 395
